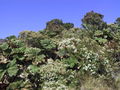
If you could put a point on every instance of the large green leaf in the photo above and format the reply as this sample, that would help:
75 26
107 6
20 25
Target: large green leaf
47 44
12 68
101 40
4 46
40 58
98 33
18 43
33 68
71 61
19 57
18 50
32 52
11 63
17 85
2 72
12 71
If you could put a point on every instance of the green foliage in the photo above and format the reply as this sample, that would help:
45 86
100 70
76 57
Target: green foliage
16 85
98 33
113 27
61 57
118 21
101 40
68 46
2 72
33 69
54 27
4 46
71 62
12 68
93 21
16 58
11 37
31 38
68 25
32 52
47 44
104 36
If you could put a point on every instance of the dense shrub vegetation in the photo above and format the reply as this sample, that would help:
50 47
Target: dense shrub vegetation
62 57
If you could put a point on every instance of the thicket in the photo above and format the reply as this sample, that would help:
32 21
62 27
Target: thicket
62 57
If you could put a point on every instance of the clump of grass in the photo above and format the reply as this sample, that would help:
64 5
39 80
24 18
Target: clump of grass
91 83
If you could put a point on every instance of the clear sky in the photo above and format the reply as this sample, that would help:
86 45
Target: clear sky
19 15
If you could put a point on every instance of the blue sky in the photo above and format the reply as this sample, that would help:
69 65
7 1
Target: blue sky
19 15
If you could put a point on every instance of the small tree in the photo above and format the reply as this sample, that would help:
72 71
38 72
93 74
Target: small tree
55 26
31 38
68 25
93 20
117 21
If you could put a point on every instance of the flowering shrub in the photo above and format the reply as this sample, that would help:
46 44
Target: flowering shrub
52 70
92 63
55 75
68 46
60 61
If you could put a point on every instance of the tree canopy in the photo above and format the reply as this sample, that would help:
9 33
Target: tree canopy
93 20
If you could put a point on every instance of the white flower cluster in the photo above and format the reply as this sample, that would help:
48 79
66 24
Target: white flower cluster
52 74
69 43
52 70
89 55
91 59
54 85
90 67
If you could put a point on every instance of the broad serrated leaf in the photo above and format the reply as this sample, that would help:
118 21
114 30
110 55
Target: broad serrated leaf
12 71
4 46
40 58
2 72
18 43
98 33
19 57
33 68
17 85
101 40
31 52
47 44
12 63
12 68
18 50
71 62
